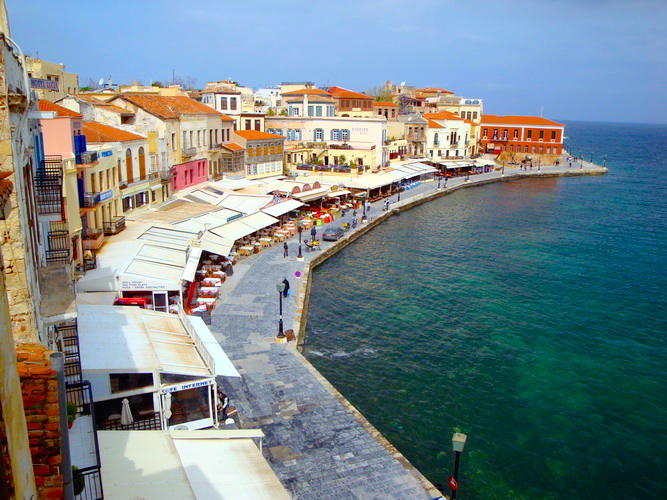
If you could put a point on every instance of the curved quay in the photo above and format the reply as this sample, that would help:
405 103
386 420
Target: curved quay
317 443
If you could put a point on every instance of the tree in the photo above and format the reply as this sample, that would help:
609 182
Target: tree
157 84
186 82
380 92
136 82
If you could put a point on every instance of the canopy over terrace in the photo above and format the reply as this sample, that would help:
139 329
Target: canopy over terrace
282 208
244 226
137 340
188 465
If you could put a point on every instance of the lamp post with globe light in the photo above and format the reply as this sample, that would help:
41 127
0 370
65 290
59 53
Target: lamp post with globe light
299 228
458 442
280 286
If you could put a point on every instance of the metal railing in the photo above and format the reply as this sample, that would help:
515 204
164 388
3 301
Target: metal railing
87 479
67 339
86 158
188 151
115 226
215 147
48 185
57 257
152 423
89 200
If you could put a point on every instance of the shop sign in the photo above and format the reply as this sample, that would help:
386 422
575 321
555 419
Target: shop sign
185 387
40 83
140 285
237 216
106 195
106 153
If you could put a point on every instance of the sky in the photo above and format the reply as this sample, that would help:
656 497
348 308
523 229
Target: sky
594 60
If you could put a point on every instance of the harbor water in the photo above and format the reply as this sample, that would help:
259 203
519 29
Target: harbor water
530 315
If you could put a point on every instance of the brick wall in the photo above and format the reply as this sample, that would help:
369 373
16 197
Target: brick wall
39 387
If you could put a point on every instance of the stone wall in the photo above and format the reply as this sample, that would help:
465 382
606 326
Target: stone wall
39 387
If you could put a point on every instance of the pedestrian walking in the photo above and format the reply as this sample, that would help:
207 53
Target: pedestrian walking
386 205
285 250
223 404
286 291
313 233
368 206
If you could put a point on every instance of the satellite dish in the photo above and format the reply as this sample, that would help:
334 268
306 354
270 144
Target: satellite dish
100 82
402 83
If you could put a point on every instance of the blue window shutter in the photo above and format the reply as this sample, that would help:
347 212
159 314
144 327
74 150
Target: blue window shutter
315 135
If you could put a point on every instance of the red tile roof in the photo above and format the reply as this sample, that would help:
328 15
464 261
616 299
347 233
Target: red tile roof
385 103
232 146
226 118
434 89
103 104
98 132
442 115
307 92
518 120
432 124
256 134
167 107
60 110
340 92
219 90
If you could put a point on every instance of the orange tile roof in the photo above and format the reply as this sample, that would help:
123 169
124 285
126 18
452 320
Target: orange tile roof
99 132
307 92
435 89
226 118
60 110
432 124
347 94
256 134
442 115
103 104
167 107
385 103
220 90
518 120
232 146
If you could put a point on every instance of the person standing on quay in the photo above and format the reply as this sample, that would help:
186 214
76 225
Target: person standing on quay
313 233
286 291
285 250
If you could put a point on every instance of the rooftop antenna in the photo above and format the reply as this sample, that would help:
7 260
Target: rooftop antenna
541 111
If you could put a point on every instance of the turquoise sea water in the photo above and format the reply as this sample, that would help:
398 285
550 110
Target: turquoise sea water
531 315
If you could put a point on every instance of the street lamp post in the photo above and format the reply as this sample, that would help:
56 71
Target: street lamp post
299 228
458 442
439 179
502 170
539 163
399 191
280 286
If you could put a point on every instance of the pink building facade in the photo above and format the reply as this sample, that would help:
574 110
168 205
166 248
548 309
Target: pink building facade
189 174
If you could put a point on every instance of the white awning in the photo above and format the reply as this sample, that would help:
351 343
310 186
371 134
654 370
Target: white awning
340 192
312 194
282 208
223 366
258 220
191 265
187 465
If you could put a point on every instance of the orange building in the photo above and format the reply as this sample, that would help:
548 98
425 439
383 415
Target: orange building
521 134
348 101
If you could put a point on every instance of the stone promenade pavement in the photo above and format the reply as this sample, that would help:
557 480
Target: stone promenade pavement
314 442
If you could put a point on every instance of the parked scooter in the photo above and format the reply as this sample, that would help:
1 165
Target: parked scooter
312 247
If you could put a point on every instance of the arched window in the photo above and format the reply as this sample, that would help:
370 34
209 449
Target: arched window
142 164
129 170
436 141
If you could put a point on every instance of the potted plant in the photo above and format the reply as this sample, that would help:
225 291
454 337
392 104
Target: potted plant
78 482
71 414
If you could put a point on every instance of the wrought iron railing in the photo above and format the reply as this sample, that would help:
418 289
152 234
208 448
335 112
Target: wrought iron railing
189 151
87 479
57 257
48 186
68 343
152 423
86 158
115 226
89 200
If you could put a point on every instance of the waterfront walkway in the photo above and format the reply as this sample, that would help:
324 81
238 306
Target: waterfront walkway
316 443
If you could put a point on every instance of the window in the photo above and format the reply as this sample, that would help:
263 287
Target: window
223 103
549 150
318 110
319 135
266 149
534 148
526 149
280 149
335 135
505 133
247 125
258 125
293 111
173 142
486 132
310 110
198 138
331 111
529 134
192 142
541 149
512 148
345 135
436 141
250 151
232 103
516 134
185 140
474 115
495 133
553 135
541 134
258 150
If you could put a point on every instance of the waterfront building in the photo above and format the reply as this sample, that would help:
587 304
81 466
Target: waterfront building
50 80
308 103
352 104
430 92
415 134
518 136
332 144
447 136
185 135
469 109
139 182
264 153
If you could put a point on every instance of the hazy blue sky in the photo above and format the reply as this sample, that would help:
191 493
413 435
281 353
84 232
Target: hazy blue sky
600 60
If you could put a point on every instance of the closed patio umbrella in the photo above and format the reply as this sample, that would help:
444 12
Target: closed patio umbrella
167 405
126 417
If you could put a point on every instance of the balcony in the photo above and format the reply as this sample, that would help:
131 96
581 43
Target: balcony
48 186
93 239
188 152
150 422
115 226
500 139
84 448
89 200
166 174
86 159
215 147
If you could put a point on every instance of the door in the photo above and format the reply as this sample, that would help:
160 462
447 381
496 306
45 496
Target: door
160 301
